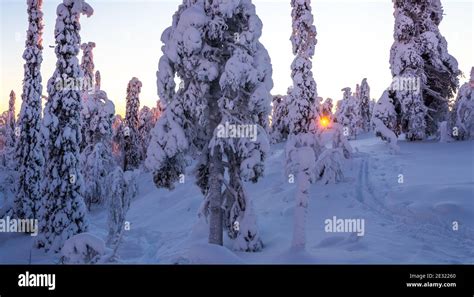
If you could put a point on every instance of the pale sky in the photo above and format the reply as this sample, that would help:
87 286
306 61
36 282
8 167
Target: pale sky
354 40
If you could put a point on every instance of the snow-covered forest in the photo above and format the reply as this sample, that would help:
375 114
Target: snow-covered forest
221 169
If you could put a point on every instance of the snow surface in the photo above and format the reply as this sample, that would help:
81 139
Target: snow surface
404 223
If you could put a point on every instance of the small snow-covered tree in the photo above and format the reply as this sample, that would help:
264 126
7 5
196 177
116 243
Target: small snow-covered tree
132 157
462 115
384 121
348 114
326 108
225 72
364 101
340 141
10 133
29 154
147 118
371 108
97 163
328 167
385 112
83 248
63 212
279 129
123 189
97 158
98 116
386 134
118 138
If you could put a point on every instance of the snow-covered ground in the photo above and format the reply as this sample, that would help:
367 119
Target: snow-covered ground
409 222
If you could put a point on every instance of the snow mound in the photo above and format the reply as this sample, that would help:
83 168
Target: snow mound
83 248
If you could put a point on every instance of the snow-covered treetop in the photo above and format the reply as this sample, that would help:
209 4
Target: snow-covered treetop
68 14
418 39
364 87
133 103
87 63
346 93
303 100
11 103
303 38
97 80
34 33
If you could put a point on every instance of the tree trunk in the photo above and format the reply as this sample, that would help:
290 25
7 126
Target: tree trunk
215 199
216 173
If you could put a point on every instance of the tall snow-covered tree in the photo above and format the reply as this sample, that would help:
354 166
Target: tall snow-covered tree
424 74
63 212
302 148
364 101
132 156
29 154
10 133
462 115
213 48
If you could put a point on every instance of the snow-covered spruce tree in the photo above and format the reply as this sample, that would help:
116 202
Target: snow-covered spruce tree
213 47
425 76
117 139
97 158
10 137
348 114
302 147
279 129
384 110
132 157
371 109
147 118
384 120
87 65
326 108
3 120
63 212
123 189
462 115
340 141
7 185
29 154
364 101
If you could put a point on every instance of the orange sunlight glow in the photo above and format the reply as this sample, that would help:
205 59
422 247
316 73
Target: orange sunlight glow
324 122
